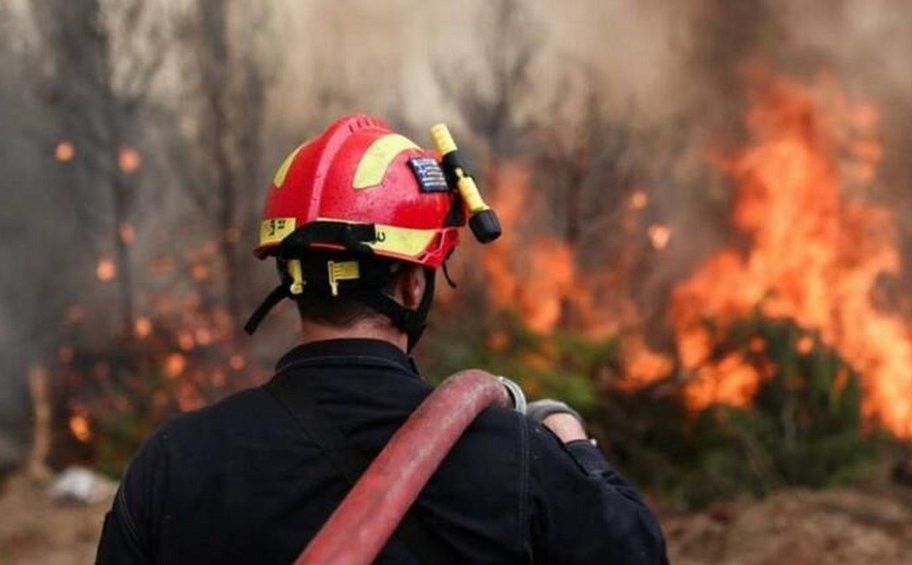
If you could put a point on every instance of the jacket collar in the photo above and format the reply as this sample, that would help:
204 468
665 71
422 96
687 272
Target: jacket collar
348 348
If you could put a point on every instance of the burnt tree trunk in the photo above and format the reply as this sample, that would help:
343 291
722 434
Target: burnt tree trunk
217 92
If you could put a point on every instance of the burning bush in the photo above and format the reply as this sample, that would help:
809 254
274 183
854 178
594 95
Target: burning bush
815 248
785 356
802 424
115 390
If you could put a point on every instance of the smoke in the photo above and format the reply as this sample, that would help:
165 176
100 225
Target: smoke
33 232
704 54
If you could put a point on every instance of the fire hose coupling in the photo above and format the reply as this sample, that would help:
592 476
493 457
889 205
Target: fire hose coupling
516 394
483 221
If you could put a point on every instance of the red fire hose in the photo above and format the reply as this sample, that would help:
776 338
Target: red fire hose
361 525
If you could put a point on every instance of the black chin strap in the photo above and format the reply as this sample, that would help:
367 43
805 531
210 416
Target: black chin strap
278 294
411 322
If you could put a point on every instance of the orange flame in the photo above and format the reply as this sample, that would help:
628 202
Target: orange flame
534 273
529 272
815 253
730 381
643 365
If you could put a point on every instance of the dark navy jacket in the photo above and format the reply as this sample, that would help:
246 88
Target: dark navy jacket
239 482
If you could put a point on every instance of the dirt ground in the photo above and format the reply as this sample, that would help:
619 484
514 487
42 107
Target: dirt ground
840 526
796 527
33 529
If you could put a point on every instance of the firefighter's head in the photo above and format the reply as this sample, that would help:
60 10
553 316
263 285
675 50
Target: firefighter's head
358 220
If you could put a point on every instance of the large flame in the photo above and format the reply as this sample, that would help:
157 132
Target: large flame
534 272
816 250
530 271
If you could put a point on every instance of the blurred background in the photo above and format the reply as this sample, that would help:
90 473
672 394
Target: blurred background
707 244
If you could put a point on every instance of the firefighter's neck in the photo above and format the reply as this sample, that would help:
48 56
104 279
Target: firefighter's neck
362 329
407 290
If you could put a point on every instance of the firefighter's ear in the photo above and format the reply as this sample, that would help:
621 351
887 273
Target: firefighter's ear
410 286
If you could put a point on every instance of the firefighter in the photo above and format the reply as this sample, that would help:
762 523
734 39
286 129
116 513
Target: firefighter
359 220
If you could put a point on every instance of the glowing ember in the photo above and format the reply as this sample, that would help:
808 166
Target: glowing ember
638 200
106 269
185 341
128 159
142 327
127 233
237 362
174 365
814 255
64 151
659 235
80 426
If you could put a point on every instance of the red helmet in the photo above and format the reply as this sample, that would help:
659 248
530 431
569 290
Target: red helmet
360 172
359 192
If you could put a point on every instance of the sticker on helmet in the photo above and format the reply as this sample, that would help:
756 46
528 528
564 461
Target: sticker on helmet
430 175
274 230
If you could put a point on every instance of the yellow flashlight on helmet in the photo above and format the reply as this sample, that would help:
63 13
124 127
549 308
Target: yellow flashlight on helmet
482 219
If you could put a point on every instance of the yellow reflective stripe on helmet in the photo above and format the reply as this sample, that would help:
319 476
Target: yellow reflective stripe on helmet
279 179
377 159
408 242
275 230
402 241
